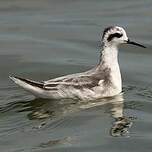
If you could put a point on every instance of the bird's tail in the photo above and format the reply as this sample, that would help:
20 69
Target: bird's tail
34 87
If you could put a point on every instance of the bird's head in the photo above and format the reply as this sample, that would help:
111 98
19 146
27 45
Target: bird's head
115 35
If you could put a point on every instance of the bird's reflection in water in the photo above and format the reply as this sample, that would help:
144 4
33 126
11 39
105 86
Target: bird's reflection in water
121 122
47 110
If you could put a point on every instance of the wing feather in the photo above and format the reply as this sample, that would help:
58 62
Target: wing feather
87 80
76 82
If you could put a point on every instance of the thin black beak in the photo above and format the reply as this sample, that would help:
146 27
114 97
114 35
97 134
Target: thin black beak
134 43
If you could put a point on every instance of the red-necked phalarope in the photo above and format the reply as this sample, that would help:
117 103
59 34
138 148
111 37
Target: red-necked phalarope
104 80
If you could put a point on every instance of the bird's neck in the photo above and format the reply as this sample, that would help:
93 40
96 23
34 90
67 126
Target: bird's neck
109 57
109 60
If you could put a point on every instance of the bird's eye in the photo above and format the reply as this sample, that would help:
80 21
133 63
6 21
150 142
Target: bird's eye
111 36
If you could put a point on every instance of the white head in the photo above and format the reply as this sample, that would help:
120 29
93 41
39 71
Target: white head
115 35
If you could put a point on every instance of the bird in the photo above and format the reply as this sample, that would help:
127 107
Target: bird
103 80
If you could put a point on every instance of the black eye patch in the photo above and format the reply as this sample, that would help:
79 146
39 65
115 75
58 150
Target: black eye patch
118 35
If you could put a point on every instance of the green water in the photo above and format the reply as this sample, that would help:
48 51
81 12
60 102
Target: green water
42 39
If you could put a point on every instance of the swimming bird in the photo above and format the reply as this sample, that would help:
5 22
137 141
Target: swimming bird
104 80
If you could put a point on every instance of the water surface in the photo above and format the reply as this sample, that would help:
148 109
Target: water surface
42 39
